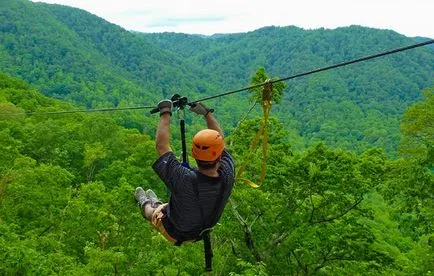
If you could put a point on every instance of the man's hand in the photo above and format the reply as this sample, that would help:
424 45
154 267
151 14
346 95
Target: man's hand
211 122
165 106
200 109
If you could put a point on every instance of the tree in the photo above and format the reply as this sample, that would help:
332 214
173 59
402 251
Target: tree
417 128
257 93
308 211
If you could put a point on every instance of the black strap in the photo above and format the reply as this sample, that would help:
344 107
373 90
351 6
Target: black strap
208 250
184 147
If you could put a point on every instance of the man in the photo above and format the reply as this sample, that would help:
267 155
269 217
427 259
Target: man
198 196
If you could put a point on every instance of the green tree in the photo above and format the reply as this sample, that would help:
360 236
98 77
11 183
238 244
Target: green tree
417 129
257 93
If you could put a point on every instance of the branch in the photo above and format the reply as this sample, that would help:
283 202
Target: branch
299 263
313 208
279 239
355 204
234 251
45 230
254 220
288 209
248 237
324 260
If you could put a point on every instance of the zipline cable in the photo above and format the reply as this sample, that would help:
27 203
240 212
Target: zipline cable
320 69
358 60
81 110
244 88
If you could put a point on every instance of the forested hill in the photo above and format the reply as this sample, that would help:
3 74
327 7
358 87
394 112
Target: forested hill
285 51
361 102
339 207
67 207
71 54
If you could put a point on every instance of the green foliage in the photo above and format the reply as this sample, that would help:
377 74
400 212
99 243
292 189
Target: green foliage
260 77
67 181
67 207
410 188
318 212
418 130
355 107
71 54
410 257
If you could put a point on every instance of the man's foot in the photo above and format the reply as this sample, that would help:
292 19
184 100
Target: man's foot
141 197
153 198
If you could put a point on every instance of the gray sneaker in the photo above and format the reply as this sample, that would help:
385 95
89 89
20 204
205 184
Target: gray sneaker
153 198
141 197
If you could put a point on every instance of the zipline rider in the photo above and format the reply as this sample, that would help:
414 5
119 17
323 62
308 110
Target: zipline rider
197 196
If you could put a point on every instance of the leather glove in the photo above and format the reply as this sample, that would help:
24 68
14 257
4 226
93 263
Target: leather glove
165 106
200 109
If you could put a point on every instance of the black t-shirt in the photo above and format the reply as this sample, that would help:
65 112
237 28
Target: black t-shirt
183 211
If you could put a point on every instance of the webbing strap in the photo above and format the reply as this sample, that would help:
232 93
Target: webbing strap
266 101
267 96
208 250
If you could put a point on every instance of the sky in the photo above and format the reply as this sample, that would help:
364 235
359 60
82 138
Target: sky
408 17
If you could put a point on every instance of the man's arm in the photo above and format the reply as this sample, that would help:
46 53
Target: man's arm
200 109
212 123
162 137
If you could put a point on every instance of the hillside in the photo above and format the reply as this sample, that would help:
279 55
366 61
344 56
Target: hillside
361 102
67 207
71 54
349 185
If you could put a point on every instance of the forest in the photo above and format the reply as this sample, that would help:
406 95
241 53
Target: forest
349 185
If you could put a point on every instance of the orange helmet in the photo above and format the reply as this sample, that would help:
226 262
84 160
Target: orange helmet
208 145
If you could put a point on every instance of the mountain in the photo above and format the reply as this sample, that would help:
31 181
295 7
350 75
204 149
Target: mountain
71 54
352 107
67 180
423 39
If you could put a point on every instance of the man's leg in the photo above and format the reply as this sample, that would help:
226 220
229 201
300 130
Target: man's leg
153 210
144 203
148 211
153 197
148 202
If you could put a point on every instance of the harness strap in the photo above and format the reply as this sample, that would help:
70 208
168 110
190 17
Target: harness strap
207 249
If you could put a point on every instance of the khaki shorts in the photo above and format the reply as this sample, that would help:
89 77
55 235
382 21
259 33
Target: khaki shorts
157 222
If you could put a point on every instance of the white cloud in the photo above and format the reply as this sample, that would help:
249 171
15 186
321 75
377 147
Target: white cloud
409 17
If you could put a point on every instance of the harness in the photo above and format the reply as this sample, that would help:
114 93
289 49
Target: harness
206 228
207 224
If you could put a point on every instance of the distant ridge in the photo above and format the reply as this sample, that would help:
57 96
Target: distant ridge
71 54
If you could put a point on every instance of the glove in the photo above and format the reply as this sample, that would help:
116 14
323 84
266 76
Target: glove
165 106
200 109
